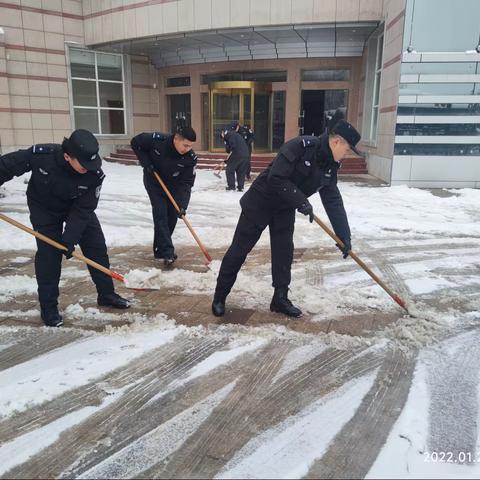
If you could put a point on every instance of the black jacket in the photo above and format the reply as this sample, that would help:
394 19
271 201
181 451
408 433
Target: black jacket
247 135
177 171
235 144
303 166
56 192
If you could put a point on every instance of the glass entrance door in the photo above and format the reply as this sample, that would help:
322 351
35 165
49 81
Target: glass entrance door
236 102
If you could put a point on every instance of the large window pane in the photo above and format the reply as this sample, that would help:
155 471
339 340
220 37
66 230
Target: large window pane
442 25
82 63
441 109
179 108
111 94
325 75
278 123
436 149
109 67
466 68
112 121
437 89
463 129
262 120
87 119
84 93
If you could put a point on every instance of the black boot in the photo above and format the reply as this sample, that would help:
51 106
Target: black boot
281 304
218 307
112 300
51 317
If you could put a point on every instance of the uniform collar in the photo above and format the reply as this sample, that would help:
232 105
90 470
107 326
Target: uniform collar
325 149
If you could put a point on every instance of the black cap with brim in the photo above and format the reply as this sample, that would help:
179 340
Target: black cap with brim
91 164
83 146
349 134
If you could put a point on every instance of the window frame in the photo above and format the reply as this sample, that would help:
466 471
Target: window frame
374 107
97 81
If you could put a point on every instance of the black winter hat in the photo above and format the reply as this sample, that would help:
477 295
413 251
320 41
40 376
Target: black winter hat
83 146
348 133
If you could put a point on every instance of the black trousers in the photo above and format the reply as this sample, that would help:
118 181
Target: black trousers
281 224
164 221
48 260
236 166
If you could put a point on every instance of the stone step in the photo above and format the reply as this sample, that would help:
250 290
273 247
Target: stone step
206 160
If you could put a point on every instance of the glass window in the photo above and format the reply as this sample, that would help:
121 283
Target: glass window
86 119
451 68
465 129
280 76
262 121
84 93
98 91
372 92
179 111
205 121
441 109
325 75
436 149
177 82
278 120
112 121
437 89
111 94
442 25
82 63
109 67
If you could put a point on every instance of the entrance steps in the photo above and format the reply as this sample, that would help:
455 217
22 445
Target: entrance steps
350 166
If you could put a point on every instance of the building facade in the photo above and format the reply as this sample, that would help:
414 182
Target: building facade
410 84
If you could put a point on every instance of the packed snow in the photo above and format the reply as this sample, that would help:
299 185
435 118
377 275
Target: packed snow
427 245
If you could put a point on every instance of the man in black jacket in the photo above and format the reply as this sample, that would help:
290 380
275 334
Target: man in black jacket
248 136
237 162
303 166
62 196
172 157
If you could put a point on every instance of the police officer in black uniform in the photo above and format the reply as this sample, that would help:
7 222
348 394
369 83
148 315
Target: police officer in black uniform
248 136
303 166
62 196
172 157
237 162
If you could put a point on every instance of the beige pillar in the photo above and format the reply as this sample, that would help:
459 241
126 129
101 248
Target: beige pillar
6 124
292 102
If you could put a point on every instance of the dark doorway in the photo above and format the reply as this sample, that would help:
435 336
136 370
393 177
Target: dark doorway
313 107
179 109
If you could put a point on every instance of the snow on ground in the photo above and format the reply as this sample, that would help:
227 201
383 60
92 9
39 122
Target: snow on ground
385 223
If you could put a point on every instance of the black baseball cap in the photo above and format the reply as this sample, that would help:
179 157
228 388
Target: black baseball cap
348 133
83 146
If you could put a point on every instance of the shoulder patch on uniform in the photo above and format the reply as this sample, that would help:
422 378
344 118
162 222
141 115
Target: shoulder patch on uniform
159 136
42 149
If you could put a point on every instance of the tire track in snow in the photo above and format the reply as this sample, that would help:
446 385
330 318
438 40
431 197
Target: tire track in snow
453 380
356 446
256 405
34 344
82 439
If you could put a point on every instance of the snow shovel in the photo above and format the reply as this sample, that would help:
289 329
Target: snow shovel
218 169
395 297
187 223
79 256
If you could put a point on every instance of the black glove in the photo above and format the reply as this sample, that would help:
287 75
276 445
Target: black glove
149 168
181 212
346 248
307 209
70 248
